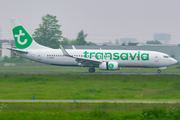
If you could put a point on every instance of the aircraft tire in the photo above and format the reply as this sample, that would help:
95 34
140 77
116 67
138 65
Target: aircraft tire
159 71
91 70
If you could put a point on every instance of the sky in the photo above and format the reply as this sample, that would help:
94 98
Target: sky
102 20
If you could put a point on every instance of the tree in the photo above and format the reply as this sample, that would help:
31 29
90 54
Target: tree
79 41
13 59
5 59
73 42
81 38
90 43
48 33
65 41
123 44
153 42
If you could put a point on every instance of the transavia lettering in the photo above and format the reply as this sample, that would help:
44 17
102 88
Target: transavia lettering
117 56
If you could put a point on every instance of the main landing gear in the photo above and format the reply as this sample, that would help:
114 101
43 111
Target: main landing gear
159 71
91 70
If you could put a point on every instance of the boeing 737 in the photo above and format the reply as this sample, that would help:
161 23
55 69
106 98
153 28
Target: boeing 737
27 47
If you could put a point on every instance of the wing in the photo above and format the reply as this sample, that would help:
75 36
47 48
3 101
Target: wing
88 62
82 61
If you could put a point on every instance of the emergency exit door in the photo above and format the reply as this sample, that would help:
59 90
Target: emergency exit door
156 57
39 56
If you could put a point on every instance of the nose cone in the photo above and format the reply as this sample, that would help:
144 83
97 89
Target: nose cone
173 61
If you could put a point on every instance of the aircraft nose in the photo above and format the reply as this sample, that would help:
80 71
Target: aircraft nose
173 61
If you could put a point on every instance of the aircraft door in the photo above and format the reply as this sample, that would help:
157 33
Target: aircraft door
39 57
156 57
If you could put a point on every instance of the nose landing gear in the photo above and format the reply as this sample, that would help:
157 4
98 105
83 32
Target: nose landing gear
91 70
159 71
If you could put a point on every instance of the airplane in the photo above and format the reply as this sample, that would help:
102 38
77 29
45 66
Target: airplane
28 48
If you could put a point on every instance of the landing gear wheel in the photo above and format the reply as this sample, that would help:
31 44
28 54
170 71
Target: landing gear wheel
91 70
159 71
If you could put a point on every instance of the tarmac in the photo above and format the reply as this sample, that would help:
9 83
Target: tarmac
90 73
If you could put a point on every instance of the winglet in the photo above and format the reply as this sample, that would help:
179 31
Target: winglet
64 51
73 47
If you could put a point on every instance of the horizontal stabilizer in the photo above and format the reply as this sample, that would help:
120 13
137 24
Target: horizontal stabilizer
17 50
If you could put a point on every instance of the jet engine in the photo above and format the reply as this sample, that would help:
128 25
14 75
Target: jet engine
109 66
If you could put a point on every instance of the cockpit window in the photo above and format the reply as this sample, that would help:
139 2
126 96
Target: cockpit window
165 56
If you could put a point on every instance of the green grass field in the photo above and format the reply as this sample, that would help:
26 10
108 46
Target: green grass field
50 68
89 87
88 111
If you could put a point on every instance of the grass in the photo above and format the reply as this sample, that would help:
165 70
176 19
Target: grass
50 68
89 87
89 111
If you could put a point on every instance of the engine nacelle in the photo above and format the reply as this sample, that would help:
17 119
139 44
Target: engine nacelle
109 66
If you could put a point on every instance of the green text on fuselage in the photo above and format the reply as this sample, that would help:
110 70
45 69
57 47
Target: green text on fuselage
117 56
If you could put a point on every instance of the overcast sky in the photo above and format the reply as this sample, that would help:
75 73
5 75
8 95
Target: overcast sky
102 20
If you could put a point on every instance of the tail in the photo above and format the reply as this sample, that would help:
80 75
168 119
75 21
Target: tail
22 38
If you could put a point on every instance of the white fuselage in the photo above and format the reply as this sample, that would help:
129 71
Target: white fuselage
125 58
28 48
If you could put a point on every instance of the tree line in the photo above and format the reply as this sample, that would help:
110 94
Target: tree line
50 35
